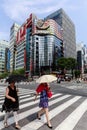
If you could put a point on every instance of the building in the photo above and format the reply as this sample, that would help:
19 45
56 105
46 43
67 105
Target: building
12 47
7 60
81 57
3 45
69 39
39 44
21 47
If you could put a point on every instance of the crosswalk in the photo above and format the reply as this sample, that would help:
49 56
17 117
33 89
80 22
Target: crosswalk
66 112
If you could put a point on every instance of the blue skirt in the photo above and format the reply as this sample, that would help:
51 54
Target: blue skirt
43 99
43 104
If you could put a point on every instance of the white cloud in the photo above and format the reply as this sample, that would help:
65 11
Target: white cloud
20 9
4 35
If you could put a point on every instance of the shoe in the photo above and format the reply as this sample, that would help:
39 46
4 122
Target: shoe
17 127
39 118
5 124
49 126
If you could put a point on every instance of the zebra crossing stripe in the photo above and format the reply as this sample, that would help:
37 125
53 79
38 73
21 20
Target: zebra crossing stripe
21 95
2 95
27 96
1 98
32 103
31 111
70 122
27 99
37 124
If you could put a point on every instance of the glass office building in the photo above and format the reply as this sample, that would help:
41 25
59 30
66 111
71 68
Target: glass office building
69 39
47 44
20 47
3 45
12 47
39 45
7 60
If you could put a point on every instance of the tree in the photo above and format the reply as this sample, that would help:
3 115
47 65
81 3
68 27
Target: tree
77 73
71 64
62 63
67 63
4 75
19 71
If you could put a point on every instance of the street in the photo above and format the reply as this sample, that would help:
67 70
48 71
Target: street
67 107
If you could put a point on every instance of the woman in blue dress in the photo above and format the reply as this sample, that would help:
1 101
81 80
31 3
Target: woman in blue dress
43 104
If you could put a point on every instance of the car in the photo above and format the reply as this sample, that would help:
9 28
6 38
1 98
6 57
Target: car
68 77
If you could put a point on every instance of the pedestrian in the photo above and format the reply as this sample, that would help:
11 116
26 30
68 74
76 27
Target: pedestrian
43 104
11 103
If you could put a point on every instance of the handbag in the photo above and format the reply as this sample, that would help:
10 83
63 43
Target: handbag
49 94
3 107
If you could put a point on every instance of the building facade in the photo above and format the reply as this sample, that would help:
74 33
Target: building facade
81 57
69 39
12 47
7 60
3 45
39 45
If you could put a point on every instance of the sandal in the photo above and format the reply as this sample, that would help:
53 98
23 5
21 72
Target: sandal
39 118
17 127
5 124
49 126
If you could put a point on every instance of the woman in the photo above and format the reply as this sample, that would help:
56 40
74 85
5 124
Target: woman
11 103
42 89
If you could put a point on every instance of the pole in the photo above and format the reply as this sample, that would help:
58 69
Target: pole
50 62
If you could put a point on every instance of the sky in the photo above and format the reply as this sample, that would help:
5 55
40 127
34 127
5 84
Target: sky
19 10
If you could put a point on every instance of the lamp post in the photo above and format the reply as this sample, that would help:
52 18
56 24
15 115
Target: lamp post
50 62
40 64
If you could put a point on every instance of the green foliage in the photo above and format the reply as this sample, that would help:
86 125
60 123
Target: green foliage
67 63
19 71
4 75
62 63
77 73
71 63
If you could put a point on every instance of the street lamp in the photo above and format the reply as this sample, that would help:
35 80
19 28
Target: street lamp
50 62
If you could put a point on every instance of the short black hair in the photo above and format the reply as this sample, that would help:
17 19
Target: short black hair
11 81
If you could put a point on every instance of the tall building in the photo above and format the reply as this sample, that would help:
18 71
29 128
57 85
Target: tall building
7 60
39 44
69 39
81 56
3 45
13 34
21 47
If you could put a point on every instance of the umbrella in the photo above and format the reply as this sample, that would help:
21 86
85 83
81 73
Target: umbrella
46 79
15 78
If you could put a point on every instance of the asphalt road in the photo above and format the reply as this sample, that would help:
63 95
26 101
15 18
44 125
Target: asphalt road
72 87
67 107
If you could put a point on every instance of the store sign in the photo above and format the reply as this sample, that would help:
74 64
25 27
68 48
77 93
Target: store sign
42 32
43 25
